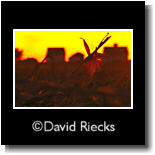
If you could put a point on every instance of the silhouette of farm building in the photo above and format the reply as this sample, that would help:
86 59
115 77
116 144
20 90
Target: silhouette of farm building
77 57
115 58
55 63
115 54
56 55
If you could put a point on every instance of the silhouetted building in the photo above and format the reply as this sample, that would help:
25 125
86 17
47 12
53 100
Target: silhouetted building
78 57
56 55
55 63
115 54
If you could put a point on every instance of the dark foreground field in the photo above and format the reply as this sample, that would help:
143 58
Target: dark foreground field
111 87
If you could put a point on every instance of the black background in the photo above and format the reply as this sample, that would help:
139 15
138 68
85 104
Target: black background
17 123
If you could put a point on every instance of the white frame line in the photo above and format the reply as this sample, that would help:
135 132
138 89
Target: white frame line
131 107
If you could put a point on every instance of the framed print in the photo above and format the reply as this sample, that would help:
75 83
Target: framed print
71 73
59 77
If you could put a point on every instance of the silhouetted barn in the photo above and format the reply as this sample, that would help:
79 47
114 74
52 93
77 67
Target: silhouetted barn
115 54
115 59
56 55
55 63
78 57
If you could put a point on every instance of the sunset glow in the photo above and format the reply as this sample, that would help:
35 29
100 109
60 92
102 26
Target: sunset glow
34 44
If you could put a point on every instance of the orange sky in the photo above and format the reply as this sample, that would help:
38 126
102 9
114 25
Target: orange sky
35 43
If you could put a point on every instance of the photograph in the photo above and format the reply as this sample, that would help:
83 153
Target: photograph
73 74
72 68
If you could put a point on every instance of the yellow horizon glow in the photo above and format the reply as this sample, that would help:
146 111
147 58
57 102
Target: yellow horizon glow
35 43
